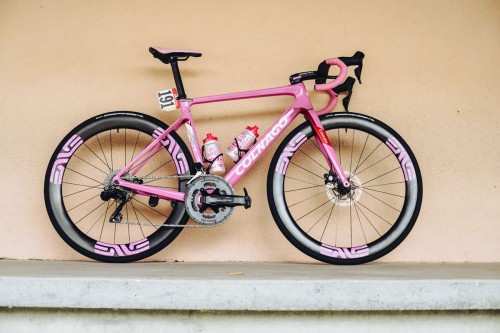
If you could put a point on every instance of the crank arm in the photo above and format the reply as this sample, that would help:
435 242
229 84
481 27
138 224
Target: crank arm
216 201
226 200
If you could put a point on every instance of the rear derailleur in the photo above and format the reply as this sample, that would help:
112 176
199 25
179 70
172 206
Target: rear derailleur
121 196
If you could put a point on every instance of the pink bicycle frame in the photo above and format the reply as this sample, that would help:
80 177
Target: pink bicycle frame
302 104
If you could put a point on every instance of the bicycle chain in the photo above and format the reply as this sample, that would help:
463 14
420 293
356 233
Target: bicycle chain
165 225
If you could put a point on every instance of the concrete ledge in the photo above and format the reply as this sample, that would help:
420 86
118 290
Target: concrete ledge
249 286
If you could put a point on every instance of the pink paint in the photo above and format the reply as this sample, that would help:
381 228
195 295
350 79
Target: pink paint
174 150
63 157
301 104
344 252
121 250
404 158
288 152
327 87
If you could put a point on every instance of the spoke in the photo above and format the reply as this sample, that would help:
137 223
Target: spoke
327 222
149 208
360 224
367 157
147 156
366 217
81 174
158 167
375 213
125 159
102 150
395 195
111 145
138 211
128 221
137 217
312 159
383 184
312 210
385 203
116 206
82 185
381 175
104 221
352 146
135 146
93 210
373 164
362 151
303 181
312 173
98 219
81 159
350 219
340 152
94 187
306 199
320 218
100 159
303 188
83 202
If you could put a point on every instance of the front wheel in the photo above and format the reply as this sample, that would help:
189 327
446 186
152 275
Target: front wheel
323 219
81 171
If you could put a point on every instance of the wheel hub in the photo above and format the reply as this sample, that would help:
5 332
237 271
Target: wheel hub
340 195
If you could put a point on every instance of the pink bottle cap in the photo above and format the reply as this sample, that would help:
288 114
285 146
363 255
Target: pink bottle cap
254 130
210 137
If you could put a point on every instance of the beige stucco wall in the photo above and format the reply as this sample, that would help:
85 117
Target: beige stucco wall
431 72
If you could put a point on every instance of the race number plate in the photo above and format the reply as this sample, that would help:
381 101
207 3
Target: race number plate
168 99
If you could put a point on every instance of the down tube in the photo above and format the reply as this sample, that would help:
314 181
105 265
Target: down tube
253 155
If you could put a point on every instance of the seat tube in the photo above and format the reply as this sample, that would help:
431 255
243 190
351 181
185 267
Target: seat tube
325 146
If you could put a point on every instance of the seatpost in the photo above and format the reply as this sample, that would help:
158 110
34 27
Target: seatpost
178 79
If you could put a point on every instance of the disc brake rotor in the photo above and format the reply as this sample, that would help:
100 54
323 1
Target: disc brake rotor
209 183
350 198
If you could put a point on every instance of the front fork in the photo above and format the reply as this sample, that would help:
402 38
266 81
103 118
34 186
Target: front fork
325 146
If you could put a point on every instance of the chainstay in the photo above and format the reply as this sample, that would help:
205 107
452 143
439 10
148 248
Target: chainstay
166 225
172 225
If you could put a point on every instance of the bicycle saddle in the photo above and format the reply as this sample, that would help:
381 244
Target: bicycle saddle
166 55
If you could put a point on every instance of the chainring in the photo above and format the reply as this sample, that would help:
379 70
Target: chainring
192 202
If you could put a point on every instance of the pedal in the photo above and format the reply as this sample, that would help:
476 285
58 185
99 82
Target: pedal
216 201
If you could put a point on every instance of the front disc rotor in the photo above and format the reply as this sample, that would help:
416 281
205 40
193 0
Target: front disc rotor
192 200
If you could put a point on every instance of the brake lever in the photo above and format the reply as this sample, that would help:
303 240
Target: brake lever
345 87
355 60
357 72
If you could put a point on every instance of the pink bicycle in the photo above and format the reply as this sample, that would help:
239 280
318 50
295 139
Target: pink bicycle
343 188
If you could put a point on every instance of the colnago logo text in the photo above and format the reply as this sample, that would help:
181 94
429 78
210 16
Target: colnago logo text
255 152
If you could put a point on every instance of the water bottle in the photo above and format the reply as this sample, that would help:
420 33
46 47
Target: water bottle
211 151
244 142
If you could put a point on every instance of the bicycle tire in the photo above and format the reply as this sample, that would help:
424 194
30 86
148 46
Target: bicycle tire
88 153
297 161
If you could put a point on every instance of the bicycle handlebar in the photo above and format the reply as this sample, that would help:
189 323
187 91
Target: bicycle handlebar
340 78
342 63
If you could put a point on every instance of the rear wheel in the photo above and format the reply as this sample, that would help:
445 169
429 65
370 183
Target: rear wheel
326 221
84 164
